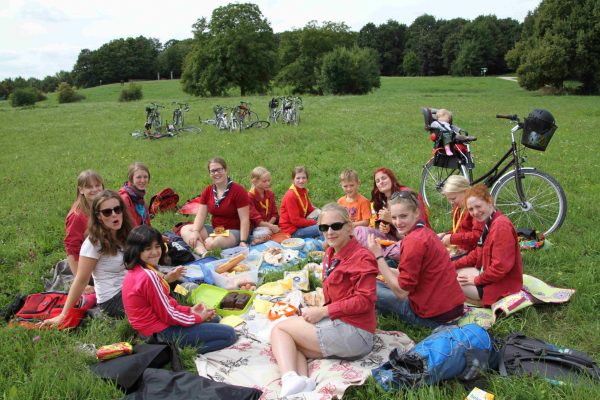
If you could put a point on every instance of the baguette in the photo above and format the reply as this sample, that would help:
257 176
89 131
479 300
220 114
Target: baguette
229 265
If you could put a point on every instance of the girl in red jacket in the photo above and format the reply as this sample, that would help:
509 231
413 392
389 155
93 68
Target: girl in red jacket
133 192
295 218
151 309
344 327
466 230
494 269
423 290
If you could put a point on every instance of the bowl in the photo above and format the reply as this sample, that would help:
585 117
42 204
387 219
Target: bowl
293 244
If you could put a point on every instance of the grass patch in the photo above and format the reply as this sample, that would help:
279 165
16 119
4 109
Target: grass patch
45 147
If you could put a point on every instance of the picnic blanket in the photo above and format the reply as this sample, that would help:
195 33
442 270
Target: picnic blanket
535 291
250 362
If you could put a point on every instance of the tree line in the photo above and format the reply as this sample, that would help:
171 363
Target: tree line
237 47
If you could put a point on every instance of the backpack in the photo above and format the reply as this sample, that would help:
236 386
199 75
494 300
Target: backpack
522 355
449 352
41 306
165 200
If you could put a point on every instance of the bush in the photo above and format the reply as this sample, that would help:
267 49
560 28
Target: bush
26 96
131 92
66 94
350 71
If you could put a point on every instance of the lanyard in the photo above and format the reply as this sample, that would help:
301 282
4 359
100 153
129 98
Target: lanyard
456 224
303 205
163 280
265 205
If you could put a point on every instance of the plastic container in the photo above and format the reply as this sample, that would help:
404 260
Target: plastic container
234 251
194 270
230 281
211 296
293 244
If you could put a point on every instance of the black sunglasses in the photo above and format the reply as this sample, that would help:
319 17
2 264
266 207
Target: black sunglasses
107 212
336 226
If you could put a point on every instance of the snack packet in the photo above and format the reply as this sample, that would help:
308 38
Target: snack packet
297 279
114 350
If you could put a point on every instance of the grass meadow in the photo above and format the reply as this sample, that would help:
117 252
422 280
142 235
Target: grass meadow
42 150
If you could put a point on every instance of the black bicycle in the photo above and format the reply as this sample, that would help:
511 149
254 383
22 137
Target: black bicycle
178 114
529 197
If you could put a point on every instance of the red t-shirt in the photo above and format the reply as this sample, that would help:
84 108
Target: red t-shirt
226 215
262 208
350 289
75 227
426 273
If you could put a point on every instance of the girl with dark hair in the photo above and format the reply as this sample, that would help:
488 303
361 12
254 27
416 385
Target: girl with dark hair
152 310
423 290
101 256
133 192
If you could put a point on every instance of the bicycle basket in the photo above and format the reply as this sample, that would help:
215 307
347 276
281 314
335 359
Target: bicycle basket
538 130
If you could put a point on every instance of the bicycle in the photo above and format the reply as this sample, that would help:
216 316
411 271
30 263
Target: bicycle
242 117
178 114
153 118
291 110
275 109
529 197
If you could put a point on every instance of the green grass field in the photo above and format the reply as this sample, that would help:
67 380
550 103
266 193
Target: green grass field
45 147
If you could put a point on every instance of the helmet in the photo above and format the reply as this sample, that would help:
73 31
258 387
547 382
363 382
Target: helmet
538 129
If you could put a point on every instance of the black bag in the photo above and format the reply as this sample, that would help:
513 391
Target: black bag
522 355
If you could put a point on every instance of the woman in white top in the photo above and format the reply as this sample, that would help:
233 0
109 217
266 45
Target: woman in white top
101 256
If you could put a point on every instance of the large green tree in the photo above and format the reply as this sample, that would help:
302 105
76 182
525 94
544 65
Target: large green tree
388 40
560 41
424 44
170 59
236 48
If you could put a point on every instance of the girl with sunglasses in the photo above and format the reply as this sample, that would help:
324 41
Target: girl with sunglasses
133 192
89 184
101 256
342 328
227 202
385 184
296 208
150 308
423 290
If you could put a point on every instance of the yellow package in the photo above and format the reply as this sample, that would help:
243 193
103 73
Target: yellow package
299 279
272 289
262 306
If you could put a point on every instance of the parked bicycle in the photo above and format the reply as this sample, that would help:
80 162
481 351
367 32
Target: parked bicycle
529 197
242 117
178 114
275 109
153 118
291 107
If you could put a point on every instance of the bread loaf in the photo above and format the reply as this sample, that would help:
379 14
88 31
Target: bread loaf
229 265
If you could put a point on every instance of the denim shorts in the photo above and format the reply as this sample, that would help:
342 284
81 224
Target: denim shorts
338 339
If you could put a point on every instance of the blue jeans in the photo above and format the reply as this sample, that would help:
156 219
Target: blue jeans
388 303
206 336
308 232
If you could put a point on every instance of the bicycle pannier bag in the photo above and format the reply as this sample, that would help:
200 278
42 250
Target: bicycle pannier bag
522 355
41 306
165 200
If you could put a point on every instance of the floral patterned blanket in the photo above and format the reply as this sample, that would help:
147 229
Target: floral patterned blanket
250 362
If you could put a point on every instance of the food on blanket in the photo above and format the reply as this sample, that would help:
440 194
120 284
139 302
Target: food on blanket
114 350
293 244
273 256
229 265
219 230
317 255
272 289
241 268
296 279
234 301
281 309
385 242
248 286
314 267
241 301
314 298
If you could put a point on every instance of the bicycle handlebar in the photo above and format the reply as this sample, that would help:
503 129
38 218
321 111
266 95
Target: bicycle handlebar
512 117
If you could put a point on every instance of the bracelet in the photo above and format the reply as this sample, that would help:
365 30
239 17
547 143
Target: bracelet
244 241
377 258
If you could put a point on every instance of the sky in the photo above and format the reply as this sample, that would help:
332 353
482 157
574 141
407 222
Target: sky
41 37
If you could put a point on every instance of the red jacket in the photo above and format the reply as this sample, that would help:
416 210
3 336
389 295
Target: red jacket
148 305
350 289
468 232
292 215
136 218
258 213
75 227
226 215
500 258
426 273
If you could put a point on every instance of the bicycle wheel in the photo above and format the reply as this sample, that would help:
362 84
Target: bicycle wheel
545 206
157 121
259 124
190 129
433 179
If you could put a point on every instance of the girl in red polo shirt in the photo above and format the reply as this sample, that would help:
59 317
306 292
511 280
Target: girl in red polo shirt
227 202
263 206
494 269
345 325
296 208
423 290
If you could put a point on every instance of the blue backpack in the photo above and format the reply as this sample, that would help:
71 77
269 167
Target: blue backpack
449 352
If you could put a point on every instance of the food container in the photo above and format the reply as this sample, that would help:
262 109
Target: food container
293 244
230 280
234 251
211 296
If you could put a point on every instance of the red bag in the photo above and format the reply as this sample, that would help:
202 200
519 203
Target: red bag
165 200
41 306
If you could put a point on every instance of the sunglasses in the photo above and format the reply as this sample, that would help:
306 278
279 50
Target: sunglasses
107 212
336 226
